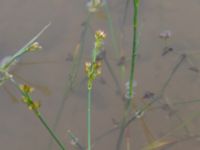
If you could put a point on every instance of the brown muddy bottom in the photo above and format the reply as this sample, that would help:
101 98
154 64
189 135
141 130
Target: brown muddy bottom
173 120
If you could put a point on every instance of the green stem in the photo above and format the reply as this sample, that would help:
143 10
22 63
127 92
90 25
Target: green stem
172 74
23 50
134 50
73 74
133 59
49 130
75 140
118 88
39 115
89 118
113 37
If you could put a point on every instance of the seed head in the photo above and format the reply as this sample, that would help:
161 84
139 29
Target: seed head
26 88
34 47
100 35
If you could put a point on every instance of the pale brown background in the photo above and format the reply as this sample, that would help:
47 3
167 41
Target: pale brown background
20 20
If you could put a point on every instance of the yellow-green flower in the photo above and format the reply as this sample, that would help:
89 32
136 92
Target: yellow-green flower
34 106
94 5
26 88
34 47
100 35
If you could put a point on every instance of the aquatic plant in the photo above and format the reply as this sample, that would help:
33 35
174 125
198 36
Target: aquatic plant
134 111
129 102
92 70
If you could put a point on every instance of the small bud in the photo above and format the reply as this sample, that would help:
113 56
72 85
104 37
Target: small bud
26 88
139 114
34 47
94 5
34 106
165 34
100 35
87 67
98 72
25 100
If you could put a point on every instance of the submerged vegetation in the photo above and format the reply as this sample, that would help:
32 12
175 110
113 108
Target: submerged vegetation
114 67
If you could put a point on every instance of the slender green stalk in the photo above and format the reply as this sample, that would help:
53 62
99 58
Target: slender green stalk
89 118
27 99
134 50
24 49
73 76
172 74
113 37
112 32
132 72
49 130
75 140
111 71
93 69
9 61
125 14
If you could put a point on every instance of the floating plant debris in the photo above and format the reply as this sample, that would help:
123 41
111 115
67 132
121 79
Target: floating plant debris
168 109
148 95
95 5
69 57
115 122
102 80
165 34
121 61
166 50
194 69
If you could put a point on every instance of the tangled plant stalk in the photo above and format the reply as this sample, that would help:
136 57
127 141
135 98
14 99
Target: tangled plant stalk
93 69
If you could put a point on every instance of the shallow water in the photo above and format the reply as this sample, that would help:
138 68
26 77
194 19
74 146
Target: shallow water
21 20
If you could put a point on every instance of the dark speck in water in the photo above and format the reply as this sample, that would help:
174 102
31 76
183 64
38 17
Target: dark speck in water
166 50
194 69
148 95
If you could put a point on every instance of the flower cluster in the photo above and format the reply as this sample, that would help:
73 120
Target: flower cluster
99 38
93 69
26 98
34 47
94 5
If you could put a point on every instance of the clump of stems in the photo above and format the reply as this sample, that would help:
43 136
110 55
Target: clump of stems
93 69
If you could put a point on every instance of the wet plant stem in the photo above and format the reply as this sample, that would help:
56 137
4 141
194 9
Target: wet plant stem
75 140
132 72
113 38
118 88
134 50
73 75
39 115
93 69
172 74
89 118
